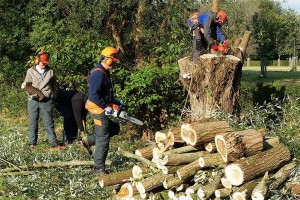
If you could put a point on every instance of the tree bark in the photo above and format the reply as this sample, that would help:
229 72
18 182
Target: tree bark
254 166
188 170
146 152
281 175
197 133
209 189
38 164
215 5
210 160
185 158
131 155
235 145
260 190
213 86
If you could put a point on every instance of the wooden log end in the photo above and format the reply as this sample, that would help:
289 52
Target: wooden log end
159 136
137 172
209 56
201 193
171 194
164 170
201 162
257 196
126 191
184 132
226 183
234 174
239 196
138 153
221 146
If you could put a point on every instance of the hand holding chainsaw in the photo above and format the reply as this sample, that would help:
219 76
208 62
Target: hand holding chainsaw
117 113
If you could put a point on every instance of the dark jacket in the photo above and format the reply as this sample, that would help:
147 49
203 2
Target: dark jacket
75 101
100 87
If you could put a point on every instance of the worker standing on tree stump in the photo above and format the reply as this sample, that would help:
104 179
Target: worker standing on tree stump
199 45
209 24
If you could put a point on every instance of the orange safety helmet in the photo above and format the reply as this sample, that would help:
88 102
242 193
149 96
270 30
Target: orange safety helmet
111 54
222 16
43 57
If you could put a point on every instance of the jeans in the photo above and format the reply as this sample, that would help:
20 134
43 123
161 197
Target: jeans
45 108
104 130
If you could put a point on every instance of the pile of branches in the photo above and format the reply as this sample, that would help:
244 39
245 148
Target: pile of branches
205 160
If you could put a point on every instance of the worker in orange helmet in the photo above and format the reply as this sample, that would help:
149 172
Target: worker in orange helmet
100 102
42 77
211 23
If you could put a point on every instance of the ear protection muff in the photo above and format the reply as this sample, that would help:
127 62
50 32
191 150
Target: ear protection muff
38 55
109 61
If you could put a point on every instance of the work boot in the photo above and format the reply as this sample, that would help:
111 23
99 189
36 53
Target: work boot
85 143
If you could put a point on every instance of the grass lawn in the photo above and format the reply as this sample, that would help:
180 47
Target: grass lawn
274 73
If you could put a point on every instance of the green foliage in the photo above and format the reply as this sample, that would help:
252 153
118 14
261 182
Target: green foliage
15 102
152 94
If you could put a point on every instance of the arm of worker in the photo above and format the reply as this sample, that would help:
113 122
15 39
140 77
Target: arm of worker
220 34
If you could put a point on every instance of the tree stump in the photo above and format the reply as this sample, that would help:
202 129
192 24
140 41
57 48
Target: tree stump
213 85
213 82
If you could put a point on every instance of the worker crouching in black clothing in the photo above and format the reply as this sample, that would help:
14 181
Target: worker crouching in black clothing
71 105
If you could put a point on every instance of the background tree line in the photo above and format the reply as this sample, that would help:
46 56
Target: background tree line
152 34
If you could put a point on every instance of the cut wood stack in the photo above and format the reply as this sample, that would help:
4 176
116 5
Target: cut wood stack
242 168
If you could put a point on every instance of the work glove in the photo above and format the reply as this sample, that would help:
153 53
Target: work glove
214 47
108 110
120 104
225 44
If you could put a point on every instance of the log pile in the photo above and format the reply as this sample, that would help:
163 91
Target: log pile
241 167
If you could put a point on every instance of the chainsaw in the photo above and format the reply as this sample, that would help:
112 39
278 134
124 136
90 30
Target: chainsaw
121 116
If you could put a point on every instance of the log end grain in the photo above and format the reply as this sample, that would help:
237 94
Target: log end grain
239 196
184 132
221 146
234 174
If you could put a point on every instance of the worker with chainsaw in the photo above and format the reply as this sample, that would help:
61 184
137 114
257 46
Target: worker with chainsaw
100 104
71 105
209 25
41 77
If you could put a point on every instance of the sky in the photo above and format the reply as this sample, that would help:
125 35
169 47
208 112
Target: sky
292 4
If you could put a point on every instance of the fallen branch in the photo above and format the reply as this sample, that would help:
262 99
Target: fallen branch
142 159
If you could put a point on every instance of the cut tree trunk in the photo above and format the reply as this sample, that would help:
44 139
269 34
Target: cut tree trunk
188 170
199 133
210 160
254 166
215 5
115 178
235 145
152 182
214 85
146 152
244 191
185 158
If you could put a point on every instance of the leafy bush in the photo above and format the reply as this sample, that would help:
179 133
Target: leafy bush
151 94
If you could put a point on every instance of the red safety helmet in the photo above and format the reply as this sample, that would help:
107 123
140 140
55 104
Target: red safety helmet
222 16
43 57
